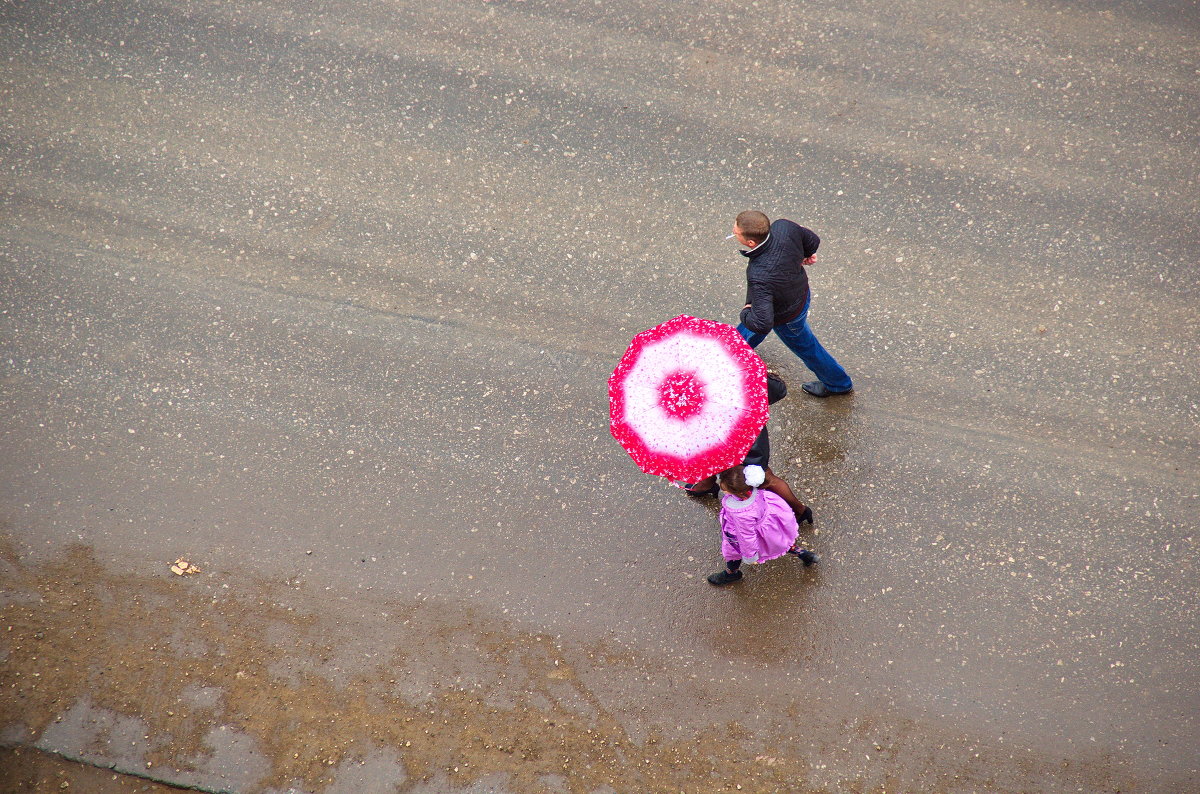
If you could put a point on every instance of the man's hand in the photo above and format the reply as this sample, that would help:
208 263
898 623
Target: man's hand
747 306
812 260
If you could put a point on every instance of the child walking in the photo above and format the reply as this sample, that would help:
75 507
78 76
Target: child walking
756 524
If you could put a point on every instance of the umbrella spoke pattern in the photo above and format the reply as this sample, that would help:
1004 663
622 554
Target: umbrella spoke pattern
688 398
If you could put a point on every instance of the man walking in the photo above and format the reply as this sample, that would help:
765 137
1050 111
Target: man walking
777 295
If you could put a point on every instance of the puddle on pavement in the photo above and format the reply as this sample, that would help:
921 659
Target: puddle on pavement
245 686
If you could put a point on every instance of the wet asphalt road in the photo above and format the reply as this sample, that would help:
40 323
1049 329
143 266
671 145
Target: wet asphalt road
327 294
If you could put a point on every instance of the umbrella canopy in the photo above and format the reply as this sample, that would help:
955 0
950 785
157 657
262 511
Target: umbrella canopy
688 398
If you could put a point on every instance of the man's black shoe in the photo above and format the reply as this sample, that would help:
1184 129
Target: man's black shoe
818 389
724 577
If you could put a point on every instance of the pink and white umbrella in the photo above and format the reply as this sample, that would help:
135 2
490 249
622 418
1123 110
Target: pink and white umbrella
688 398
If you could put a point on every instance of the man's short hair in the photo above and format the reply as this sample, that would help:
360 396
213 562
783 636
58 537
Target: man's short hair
754 225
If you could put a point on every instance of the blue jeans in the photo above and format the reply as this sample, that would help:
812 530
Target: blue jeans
800 340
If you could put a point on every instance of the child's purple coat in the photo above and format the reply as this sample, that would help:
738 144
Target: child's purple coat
759 528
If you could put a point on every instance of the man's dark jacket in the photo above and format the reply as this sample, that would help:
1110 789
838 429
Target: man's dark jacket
776 282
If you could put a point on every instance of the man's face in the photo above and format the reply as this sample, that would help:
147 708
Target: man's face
741 238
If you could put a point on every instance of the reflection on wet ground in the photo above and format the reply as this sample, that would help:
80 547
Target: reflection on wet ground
216 680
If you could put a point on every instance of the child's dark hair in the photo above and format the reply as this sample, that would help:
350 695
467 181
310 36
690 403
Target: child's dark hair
734 480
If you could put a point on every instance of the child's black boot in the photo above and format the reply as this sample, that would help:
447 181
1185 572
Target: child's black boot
724 577
807 557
